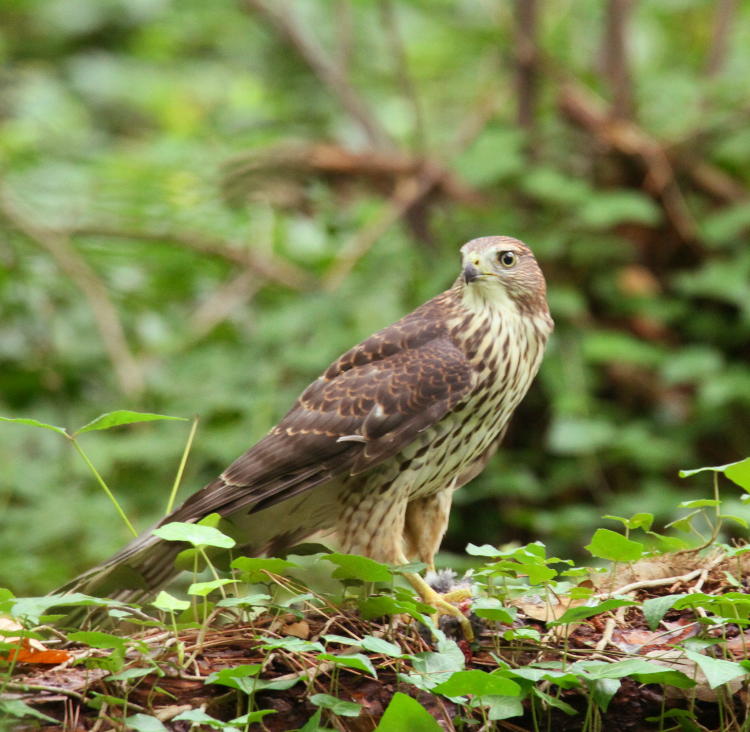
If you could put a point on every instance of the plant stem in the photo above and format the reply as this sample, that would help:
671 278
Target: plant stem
181 468
104 486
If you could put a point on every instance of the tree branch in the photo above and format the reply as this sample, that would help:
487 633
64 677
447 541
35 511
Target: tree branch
126 367
277 15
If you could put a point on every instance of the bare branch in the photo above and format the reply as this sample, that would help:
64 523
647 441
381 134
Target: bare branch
526 62
224 301
266 265
405 80
126 368
724 15
615 58
588 110
277 14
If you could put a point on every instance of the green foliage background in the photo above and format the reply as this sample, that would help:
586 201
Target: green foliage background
117 121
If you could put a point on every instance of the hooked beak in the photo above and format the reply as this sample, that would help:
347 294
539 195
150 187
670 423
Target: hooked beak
470 273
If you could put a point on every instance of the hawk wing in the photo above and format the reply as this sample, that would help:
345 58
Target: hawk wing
366 407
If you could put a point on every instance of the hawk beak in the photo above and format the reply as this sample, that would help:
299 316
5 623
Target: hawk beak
470 273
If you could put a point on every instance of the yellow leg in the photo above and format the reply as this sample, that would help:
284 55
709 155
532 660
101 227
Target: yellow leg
433 598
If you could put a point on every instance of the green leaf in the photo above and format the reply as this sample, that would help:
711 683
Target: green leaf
256 599
647 672
194 534
32 608
615 547
717 670
405 714
378 645
122 416
340 707
579 436
655 608
501 707
358 661
144 723
201 589
18 709
35 423
553 701
492 609
251 717
169 603
486 550
379 605
312 724
739 473
602 691
699 503
352 566
575 614
292 644
479 683
199 717
242 677
97 639
134 673
606 209
254 569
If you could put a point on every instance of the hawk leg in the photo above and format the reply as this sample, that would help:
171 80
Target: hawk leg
436 600
425 524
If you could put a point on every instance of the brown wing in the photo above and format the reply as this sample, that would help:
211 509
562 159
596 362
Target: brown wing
366 407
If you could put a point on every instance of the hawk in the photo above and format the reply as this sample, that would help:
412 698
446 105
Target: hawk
372 451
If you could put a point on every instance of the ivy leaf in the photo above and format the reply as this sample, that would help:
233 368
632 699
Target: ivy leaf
340 707
358 661
254 569
615 547
717 670
575 614
18 709
169 603
144 723
194 534
351 566
378 645
479 683
201 589
405 714
655 608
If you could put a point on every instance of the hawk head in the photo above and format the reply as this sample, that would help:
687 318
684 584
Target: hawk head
502 271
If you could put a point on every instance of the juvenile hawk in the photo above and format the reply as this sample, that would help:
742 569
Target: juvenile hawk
373 449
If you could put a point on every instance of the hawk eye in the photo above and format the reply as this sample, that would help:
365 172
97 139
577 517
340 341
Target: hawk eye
507 259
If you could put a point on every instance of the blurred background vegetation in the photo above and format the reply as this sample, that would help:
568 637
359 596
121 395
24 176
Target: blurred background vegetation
203 203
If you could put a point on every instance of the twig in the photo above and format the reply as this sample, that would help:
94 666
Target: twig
724 15
659 582
615 58
277 14
224 301
409 192
588 110
266 265
124 364
609 628
526 63
405 80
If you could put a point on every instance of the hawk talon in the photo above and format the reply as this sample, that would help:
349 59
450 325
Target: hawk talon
441 605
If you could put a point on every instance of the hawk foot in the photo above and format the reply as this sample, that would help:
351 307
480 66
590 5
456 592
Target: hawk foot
441 605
